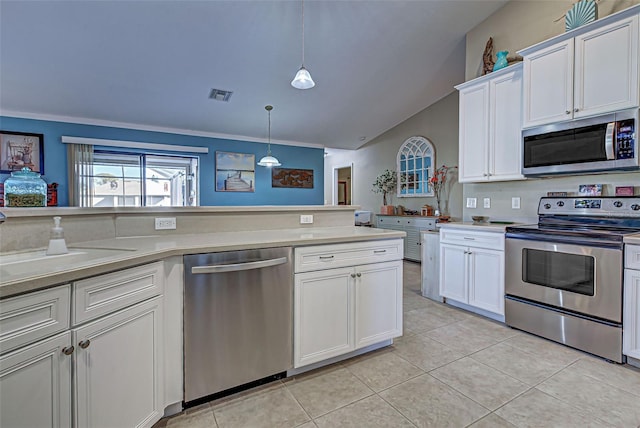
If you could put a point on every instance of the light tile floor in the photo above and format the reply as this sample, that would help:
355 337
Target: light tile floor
450 369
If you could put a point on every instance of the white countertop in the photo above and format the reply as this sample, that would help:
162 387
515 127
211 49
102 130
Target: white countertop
486 226
632 239
45 271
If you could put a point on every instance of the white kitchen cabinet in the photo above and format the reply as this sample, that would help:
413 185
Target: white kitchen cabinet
489 127
631 310
35 384
594 72
472 269
341 309
118 373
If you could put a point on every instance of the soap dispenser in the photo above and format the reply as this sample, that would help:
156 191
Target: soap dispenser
56 243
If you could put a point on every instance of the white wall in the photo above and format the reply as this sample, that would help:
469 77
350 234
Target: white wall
438 123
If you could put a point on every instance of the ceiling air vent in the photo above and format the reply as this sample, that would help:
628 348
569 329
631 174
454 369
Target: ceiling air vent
220 95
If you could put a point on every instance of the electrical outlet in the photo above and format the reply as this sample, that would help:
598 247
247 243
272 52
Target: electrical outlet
165 223
515 203
472 202
306 219
486 203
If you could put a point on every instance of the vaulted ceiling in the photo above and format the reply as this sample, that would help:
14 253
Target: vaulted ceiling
154 63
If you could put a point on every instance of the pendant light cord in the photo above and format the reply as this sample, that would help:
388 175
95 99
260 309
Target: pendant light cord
303 33
268 109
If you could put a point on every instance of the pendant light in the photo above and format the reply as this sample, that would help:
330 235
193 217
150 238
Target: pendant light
303 79
269 160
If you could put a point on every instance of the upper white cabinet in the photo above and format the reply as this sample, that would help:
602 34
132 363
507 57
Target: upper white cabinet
490 126
589 71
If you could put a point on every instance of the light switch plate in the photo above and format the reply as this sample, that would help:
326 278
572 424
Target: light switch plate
472 202
486 203
515 203
306 219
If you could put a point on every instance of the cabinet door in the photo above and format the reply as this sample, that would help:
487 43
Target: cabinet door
35 385
505 106
606 69
118 378
474 133
323 315
631 315
378 303
486 280
453 272
548 85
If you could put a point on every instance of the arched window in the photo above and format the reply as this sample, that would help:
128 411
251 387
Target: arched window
416 159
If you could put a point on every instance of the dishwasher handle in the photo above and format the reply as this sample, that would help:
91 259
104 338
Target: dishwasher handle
236 267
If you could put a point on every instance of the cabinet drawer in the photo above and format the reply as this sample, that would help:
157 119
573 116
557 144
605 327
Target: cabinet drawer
491 240
632 257
25 319
386 222
100 295
342 255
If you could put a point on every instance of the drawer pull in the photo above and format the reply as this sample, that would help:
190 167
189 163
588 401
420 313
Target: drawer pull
326 257
469 239
68 350
84 344
379 251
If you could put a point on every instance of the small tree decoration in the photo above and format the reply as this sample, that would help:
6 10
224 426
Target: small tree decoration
385 183
441 184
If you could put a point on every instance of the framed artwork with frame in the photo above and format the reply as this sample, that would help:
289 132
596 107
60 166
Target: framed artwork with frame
21 149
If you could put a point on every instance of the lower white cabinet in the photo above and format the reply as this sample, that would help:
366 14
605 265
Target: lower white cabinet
339 310
118 372
472 274
631 312
35 384
106 371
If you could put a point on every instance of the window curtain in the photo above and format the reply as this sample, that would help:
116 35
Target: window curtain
80 161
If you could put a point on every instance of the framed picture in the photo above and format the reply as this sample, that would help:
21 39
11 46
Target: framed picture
235 172
21 149
294 178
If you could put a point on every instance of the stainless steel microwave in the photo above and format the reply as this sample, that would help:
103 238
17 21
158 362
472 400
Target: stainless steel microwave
603 143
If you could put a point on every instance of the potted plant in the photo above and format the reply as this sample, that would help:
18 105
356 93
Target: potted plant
386 183
441 184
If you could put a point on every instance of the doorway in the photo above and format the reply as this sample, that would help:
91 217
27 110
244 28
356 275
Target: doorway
342 185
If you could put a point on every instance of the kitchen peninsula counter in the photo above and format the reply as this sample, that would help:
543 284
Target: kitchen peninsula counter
42 272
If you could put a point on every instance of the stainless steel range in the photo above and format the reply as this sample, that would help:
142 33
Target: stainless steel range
564 275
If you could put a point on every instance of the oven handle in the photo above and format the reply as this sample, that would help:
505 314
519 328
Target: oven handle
599 243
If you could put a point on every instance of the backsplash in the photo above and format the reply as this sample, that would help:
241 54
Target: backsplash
530 191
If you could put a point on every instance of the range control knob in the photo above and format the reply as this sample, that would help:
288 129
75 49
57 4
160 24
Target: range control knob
560 203
635 207
547 206
617 204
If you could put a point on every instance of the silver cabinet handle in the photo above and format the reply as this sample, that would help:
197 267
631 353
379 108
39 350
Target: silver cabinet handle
353 275
84 344
379 251
68 350
469 239
235 267
325 257
567 112
576 110
358 274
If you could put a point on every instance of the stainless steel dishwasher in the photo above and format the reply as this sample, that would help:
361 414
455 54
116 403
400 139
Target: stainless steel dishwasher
238 309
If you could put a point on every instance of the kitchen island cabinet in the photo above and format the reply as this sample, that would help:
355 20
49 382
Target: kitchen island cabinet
341 309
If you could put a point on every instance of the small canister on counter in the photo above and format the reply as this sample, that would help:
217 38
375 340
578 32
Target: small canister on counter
25 188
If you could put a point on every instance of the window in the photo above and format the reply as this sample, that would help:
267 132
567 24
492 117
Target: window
133 180
415 162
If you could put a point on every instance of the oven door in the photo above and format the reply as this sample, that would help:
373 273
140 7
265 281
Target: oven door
579 278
